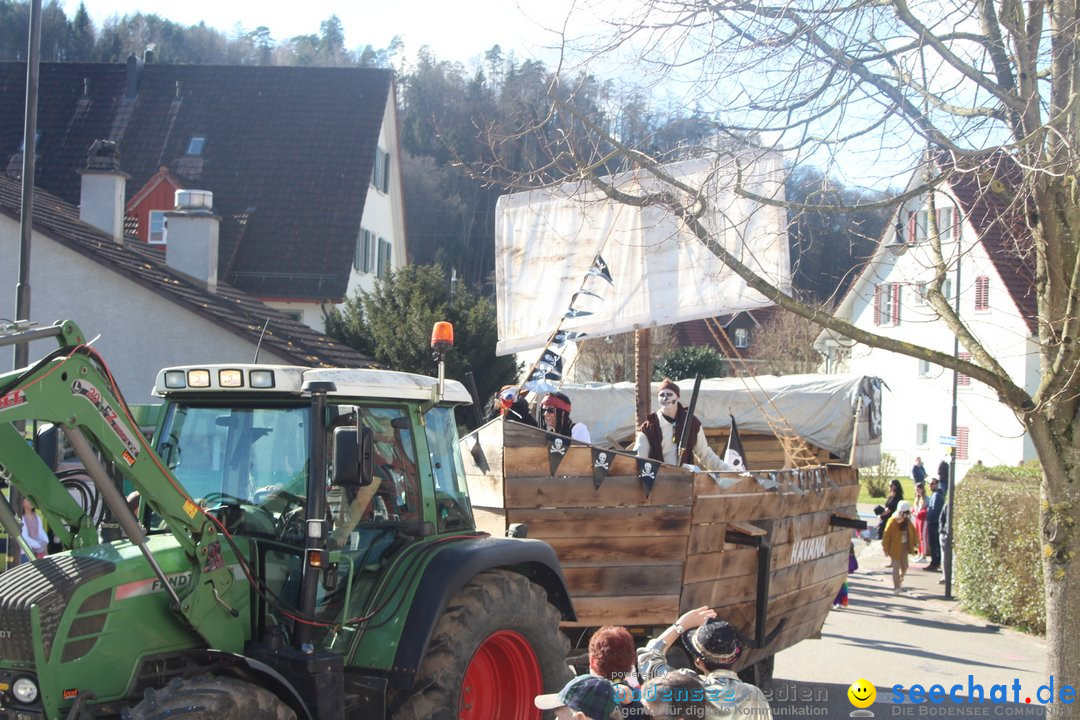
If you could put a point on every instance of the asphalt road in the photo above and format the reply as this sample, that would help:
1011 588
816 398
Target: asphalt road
915 638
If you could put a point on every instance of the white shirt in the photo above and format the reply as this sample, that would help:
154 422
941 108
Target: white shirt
704 454
580 433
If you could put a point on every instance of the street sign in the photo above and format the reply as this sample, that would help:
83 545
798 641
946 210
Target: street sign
947 440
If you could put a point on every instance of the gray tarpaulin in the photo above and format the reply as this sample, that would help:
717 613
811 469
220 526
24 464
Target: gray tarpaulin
820 408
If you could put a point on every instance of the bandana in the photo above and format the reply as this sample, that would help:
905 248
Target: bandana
552 401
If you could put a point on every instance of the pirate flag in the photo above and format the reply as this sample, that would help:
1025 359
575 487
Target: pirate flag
557 447
600 269
575 313
564 336
646 472
733 454
601 465
552 360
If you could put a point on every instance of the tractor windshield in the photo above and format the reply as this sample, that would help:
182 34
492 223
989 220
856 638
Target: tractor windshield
249 462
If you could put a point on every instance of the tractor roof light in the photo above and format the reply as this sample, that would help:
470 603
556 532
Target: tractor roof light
198 378
442 336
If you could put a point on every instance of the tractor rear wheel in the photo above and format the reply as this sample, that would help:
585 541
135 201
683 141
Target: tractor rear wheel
496 646
210 697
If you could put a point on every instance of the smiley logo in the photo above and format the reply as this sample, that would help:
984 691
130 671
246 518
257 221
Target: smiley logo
862 693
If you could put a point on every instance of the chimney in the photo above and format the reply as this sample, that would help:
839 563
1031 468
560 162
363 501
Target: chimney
133 76
191 236
101 199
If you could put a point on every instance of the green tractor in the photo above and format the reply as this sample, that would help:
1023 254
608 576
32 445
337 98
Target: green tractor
299 544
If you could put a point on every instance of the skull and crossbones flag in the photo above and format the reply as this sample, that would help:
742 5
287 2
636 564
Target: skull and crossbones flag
646 472
601 465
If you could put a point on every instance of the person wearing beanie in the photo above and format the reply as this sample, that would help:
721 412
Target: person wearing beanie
715 647
899 541
586 697
658 437
555 417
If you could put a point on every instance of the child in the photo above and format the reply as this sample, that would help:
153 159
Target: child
841 600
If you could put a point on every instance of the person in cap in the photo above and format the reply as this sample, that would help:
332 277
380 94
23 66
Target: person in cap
898 541
586 697
555 411
715 647
511 404
658 437
675 696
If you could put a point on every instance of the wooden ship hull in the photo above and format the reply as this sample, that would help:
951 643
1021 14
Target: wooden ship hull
768 551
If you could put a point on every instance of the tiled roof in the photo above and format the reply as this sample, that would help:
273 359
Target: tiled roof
987 192
288 155
228 308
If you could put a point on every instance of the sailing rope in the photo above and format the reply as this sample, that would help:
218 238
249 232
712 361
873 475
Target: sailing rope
796 451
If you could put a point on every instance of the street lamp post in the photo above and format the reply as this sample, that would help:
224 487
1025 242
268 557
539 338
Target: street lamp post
950 489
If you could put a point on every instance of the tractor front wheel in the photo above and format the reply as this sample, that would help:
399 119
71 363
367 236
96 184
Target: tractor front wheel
209 697
496 647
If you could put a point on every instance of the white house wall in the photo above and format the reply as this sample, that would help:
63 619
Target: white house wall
384 213
140 331
995 435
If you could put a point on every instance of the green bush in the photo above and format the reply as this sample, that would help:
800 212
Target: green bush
876 479
997 562
687 362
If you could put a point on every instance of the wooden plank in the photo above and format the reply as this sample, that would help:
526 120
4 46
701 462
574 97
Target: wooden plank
622 491
636 610
622 580
530 461
604 522
485 490
719 593
719 565
728 507
490 520
707 538
796 576
831 543
620 550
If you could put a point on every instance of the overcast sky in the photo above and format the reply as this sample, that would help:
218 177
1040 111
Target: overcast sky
461 30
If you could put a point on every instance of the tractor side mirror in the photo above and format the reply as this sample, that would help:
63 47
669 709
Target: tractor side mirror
353 457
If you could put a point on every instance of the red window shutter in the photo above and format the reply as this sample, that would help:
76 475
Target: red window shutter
956 224
877 304
982 293
911 219
961 378
961 443
896 303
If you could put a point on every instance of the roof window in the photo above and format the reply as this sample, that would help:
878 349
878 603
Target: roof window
196 145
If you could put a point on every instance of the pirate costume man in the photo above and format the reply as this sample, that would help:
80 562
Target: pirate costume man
658 437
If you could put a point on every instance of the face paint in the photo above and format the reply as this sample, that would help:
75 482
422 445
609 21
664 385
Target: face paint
668 400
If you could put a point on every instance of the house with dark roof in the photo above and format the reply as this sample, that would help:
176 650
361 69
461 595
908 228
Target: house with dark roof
148 310
303 164
738 332
989 278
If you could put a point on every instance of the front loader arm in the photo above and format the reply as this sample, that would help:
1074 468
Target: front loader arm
72 389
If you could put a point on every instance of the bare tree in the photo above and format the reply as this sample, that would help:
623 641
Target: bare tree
981 92
784 345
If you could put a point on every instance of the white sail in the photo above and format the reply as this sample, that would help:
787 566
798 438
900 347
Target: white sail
546 241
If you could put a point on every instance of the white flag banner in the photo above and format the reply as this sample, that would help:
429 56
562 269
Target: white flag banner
547 241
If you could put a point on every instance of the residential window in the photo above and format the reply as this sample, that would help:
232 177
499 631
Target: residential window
384 257
924 368
961 378
961 443
921 434
982 293
380 172
156 235
887 304
742 338
37 142
296 315
920 293
918 225
196 145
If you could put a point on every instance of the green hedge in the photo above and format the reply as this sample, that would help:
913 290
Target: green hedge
998 566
